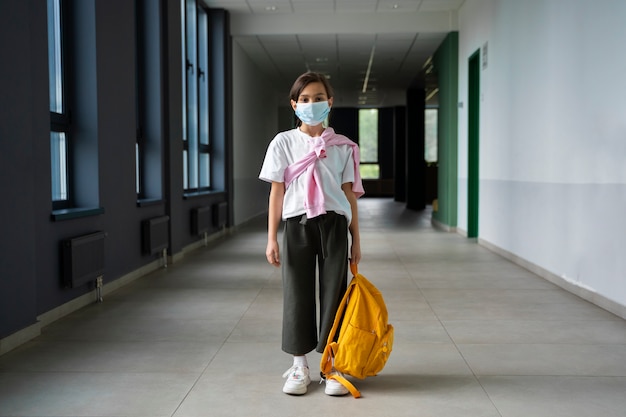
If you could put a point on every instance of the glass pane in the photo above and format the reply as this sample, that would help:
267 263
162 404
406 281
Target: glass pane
184 64
192 160
205 169
185 171
137 170
191 70
369 171
368 135
192 93
58 150
430 148
55 69
203 81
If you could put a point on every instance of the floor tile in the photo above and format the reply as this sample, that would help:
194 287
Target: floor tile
537 331
475 336
92 394
546 359
550 396
72 356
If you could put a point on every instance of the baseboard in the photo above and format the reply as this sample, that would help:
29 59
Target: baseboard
582 292
441 226
19 338
199 244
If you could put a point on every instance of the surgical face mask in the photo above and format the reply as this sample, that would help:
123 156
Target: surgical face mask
312 114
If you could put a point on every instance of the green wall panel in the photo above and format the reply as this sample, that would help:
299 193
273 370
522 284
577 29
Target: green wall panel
446 64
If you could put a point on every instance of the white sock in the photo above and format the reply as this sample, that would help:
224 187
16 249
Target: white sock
300 361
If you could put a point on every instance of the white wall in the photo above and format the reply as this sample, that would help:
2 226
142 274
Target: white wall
552 138
255 122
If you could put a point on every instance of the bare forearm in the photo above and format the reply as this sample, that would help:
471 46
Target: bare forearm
277 194
355 251
275 211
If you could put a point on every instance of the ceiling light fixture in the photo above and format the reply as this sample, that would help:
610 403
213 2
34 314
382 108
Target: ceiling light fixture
432 94
369 68
271 8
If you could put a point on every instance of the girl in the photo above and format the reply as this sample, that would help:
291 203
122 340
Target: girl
315 184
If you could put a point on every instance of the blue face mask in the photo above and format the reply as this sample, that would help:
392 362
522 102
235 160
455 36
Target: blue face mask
312 114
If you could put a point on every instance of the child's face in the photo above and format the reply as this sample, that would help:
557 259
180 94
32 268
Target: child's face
313 93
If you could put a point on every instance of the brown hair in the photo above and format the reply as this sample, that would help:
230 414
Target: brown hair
306 79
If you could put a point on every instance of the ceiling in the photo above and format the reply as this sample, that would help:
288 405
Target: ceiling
371 50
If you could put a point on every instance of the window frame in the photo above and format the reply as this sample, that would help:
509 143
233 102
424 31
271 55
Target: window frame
197 146
369 163
149 104
431 135
140 67
60 122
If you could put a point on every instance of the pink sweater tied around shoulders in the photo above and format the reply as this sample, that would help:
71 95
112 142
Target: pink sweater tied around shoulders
314 198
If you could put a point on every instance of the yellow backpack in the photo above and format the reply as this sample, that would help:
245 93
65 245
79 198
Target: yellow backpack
365 338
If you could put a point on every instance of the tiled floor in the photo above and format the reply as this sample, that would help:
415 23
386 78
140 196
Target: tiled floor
475 336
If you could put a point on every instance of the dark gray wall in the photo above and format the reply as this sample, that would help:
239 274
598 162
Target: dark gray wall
399 152
18 171
345 121
386 135
416 185
30 276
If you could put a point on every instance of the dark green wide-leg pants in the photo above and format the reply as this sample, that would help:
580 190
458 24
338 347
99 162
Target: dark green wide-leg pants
320 242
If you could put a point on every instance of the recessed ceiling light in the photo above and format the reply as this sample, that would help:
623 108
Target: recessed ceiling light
271 8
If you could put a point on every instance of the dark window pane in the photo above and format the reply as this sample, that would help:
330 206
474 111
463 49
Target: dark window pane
58 150
55 66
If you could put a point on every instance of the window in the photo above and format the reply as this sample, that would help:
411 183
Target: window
73 102
140 68
59 119
368 143
148 105
430 148
196 142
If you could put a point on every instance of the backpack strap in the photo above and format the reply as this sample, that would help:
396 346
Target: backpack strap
343 381
329 352
340 310
326 364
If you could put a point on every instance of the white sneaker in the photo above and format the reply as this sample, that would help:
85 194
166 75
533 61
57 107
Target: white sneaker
334 387
297 380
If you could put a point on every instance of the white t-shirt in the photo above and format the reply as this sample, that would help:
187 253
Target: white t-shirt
336 169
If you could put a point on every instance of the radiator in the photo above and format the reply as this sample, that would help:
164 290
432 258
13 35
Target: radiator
201 219
82 259
220 214
155 234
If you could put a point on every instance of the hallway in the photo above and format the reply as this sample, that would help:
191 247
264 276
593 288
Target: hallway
475 336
